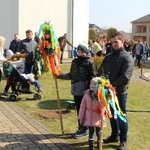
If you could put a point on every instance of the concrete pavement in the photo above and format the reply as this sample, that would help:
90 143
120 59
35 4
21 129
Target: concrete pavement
19 131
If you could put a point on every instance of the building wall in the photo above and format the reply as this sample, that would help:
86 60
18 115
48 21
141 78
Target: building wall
33 13
81 21
142 35
9 19
66 16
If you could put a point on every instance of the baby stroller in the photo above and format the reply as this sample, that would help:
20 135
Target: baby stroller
18 83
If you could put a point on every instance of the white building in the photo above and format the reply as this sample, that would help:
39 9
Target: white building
66 16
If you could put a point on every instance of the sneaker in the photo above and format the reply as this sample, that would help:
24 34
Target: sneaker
111 139
40 90
81 133
122 146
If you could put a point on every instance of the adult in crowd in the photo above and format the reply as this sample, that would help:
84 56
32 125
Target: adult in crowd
140 52
147 49
14 43
62 43
108 47
96 46
127 45
27 48
118 67
36 37
2 58
81 72
134 48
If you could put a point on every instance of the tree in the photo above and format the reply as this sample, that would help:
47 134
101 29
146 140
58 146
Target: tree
110 32
92 34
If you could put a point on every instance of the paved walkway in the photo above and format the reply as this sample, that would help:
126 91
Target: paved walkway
19 131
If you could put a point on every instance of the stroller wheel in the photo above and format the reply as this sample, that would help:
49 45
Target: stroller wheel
13 97
37 96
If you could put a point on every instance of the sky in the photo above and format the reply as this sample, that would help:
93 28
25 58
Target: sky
117 13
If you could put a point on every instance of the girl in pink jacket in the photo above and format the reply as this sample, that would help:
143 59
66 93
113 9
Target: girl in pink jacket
90 114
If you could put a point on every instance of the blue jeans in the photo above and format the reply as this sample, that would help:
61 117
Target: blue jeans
37 84
119 127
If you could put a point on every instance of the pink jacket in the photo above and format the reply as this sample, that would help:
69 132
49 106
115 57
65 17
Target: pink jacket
89 111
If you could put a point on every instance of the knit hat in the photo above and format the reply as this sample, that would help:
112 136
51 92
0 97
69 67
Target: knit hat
83 47
96 79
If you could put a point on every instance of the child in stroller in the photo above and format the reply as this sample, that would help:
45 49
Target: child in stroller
19 83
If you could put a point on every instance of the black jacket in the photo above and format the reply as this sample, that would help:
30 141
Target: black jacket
81 72
27 46
14 46
118 67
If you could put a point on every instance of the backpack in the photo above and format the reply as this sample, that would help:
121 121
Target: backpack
7 69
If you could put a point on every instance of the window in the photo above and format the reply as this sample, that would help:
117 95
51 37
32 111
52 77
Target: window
141 29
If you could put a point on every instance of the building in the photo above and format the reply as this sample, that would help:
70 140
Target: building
141 28
66 16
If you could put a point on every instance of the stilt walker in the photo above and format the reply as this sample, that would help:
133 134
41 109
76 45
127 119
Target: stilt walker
50 53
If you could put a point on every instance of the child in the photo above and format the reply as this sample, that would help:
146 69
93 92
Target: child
81 72
90 114
11 73
31 78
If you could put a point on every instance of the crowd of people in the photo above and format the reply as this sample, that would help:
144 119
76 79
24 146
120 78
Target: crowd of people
116 62
118 67
19 48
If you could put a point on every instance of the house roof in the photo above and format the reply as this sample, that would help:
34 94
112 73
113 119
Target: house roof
142 19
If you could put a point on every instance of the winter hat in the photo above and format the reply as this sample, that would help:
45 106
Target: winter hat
83 47
96 79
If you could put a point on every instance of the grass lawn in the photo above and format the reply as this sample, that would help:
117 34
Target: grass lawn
138 106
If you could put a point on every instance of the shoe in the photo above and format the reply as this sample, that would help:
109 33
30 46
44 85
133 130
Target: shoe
40 90
5 93
81 133
122 146
61 62
111 139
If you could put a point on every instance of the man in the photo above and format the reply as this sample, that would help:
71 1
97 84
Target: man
118 67
62 43
27 48
140 52
14 43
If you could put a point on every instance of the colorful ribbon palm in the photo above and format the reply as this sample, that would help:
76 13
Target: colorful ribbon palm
49 48
105 94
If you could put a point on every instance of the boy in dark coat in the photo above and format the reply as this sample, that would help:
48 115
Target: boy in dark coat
81 72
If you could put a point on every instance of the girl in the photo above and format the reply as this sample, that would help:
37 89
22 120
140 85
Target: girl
90 114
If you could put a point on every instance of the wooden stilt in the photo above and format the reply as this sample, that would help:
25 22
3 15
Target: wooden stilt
59 106
101 131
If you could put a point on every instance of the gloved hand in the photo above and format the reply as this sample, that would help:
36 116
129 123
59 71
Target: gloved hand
59 76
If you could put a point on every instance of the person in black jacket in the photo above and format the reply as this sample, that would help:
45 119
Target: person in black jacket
118 67
14 43
81 72
27 48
